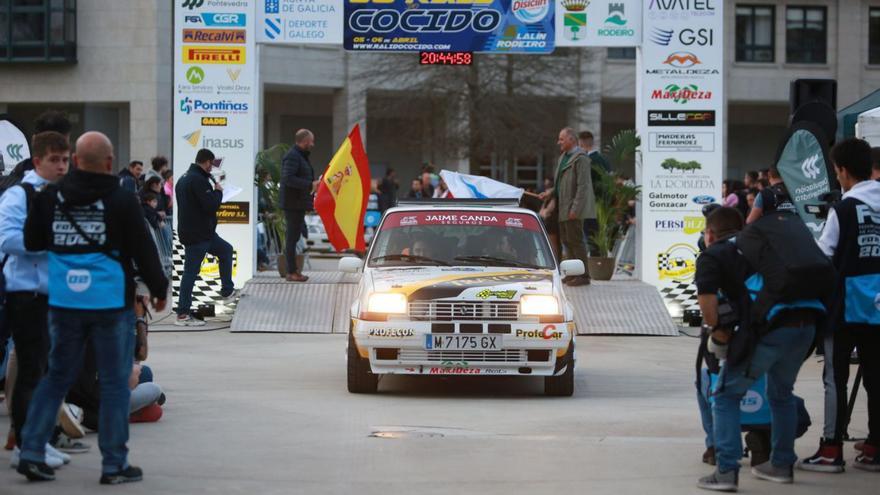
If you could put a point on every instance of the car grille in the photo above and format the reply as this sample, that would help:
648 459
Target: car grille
463 310
421 356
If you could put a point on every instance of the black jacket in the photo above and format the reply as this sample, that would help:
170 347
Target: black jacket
297 176
128 181
197 205
124 221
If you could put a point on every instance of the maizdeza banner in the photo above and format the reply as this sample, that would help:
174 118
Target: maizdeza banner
680 115
804 167
13 146
495 26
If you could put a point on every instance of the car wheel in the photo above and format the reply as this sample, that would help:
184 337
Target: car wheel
562 385
361 379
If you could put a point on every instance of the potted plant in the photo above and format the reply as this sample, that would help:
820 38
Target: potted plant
612 201
267 180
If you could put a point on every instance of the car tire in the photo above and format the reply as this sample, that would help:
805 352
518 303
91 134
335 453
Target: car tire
562 385
361 379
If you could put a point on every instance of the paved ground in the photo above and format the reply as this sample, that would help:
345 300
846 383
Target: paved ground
260 414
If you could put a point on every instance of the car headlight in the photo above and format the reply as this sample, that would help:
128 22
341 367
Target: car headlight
538 305
387 303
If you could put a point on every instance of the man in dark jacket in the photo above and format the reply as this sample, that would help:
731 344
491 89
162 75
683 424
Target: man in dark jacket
388 190
198 199
130 178
297 186
93 231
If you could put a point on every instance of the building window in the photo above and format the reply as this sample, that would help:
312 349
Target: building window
622 53
874 37
755 33
37 31
806 35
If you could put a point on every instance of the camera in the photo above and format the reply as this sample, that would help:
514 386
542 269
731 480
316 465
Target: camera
821 210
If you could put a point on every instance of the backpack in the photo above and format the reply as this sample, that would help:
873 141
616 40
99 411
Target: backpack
782 250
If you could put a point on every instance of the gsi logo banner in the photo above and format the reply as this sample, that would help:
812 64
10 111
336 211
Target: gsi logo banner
218 19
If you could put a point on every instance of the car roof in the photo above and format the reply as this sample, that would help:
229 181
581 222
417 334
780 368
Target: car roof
457 207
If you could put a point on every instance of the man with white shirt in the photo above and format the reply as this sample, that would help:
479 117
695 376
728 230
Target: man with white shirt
851 238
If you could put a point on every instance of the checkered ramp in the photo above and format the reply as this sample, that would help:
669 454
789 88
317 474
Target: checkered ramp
206 289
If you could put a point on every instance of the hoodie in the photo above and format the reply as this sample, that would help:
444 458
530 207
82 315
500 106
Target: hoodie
867 192
25 270
115 234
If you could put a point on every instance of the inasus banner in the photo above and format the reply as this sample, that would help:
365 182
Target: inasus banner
680 118
501 26
215 107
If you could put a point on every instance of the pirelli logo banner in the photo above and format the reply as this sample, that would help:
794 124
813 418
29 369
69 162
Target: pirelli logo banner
220 55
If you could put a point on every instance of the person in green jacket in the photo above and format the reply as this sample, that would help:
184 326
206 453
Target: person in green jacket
575 199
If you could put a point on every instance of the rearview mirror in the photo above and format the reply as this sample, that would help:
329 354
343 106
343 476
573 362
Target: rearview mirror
350 264
571 268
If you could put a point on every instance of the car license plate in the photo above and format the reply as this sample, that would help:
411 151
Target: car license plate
462 342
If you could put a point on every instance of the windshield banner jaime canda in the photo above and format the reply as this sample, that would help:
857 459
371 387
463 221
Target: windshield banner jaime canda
500 26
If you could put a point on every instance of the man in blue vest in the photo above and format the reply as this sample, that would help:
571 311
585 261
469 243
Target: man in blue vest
851 238
93 231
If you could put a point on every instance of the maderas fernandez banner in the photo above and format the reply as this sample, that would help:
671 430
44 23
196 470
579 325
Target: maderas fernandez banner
803 166
505 26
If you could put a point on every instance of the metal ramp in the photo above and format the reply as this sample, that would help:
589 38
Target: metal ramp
321 305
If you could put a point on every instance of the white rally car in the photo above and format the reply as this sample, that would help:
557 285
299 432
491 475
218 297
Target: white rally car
461 288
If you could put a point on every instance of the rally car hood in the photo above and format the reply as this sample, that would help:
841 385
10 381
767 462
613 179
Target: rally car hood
465 283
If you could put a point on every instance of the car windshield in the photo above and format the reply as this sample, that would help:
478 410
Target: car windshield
461 238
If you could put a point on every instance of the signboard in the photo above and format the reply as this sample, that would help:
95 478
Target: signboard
803 166
300 21
497 26
13 147
680 116
215 107
598 22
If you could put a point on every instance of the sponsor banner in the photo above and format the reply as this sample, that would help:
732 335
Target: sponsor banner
215 107
476 218
300 21
680 109
681 141
13 147
598 22
495 26
234 212
803 166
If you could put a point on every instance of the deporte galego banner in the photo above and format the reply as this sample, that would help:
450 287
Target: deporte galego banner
501 26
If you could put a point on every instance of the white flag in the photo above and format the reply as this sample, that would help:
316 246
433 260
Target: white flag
475 186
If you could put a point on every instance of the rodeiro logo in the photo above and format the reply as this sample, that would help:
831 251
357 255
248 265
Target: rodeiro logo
79 280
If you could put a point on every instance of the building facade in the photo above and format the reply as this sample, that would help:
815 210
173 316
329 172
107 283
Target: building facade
109 63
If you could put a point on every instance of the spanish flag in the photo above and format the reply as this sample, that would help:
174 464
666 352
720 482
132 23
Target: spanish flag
341 200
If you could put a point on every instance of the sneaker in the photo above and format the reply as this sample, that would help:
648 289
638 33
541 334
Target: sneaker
51 461
720 482
127 475
70 417
149 414
758 443
232 297
828 459
52 451
70 446
36 471
869 459
709 456
188 321
767 471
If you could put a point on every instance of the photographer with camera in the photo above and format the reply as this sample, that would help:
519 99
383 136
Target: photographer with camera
749 344
851 238
773 198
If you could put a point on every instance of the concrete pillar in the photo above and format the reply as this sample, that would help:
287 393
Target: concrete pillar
850 53
587 115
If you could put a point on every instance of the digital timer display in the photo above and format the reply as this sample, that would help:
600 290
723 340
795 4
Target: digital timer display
446 58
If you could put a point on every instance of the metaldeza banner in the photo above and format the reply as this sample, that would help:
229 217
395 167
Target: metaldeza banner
598 22
215 108
680 115
505 26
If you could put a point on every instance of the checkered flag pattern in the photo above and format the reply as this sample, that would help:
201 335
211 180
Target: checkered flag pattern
206 289
682 294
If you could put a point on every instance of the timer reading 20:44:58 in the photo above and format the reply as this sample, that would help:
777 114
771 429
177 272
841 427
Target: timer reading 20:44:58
446 58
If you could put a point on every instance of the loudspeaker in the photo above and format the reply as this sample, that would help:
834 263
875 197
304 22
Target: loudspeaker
804 91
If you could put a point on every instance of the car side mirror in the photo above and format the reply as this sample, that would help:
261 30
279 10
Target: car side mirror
350 264
570 268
